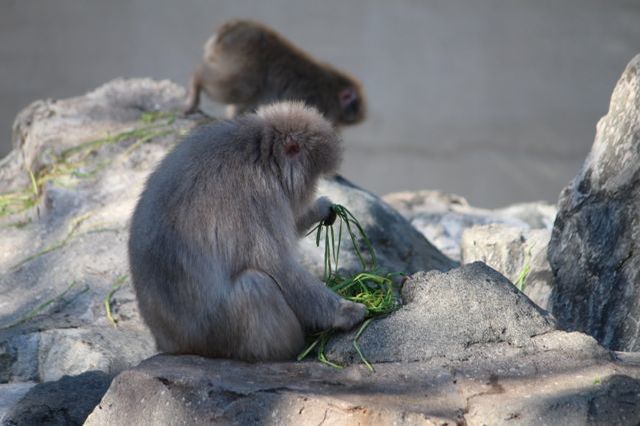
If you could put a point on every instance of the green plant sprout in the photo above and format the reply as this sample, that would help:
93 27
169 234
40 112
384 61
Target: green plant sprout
44 305
371 287
107 300
526 269
76 163
73 228
153 116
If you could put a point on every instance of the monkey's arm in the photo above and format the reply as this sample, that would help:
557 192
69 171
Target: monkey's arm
320 210
314 304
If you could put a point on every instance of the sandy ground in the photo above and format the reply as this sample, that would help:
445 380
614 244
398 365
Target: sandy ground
494 100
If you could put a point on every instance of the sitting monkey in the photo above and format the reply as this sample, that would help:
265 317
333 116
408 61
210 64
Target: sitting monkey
213 238
247 64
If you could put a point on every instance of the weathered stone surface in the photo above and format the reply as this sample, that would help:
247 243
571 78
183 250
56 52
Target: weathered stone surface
10 394
444 314
579 397
520 255
49 126
67 401
541 385
594 250
466 348
64 257
442 218
50 354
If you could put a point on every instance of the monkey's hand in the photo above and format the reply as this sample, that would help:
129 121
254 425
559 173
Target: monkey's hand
320 211
324 209
330 219
348 315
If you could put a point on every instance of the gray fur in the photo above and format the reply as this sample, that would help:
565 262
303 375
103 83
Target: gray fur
214 236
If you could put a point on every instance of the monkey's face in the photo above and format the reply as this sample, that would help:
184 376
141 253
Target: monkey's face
305 144
313 152
352 105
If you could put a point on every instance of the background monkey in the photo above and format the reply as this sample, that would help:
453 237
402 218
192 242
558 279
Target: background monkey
214 235
247 64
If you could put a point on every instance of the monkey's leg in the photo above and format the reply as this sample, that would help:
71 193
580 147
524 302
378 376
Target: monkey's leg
193 93
316 306
265 326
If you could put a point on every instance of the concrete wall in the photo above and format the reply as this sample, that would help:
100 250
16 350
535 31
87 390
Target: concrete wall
494 100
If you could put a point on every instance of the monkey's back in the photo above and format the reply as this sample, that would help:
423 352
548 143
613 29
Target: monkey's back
254 65
194 228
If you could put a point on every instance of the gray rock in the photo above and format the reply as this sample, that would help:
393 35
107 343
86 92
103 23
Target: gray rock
61 258
10 394
50 354
48 127
67 401
594 250
63 252
464 338
442 218
444 314
611 400
410 203
541 385
520 255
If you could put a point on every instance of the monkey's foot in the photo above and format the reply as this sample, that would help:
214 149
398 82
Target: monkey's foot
348 315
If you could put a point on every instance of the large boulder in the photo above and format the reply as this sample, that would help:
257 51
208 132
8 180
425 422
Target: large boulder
467 348
560 383
63 231
445 314
594 250
69 188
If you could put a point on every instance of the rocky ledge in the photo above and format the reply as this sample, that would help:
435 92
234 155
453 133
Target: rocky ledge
466 347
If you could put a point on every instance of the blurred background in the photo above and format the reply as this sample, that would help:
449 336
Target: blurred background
495 100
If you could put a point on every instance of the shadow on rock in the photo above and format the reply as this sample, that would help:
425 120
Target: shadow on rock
67 401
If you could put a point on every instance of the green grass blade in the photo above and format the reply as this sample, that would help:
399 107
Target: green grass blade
309 348
107 300
357 347
369 287
40 308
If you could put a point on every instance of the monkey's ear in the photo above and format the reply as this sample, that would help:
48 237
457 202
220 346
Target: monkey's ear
291 147
347 97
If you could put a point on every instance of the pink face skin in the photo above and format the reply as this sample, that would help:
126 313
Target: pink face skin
291 147
347 96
